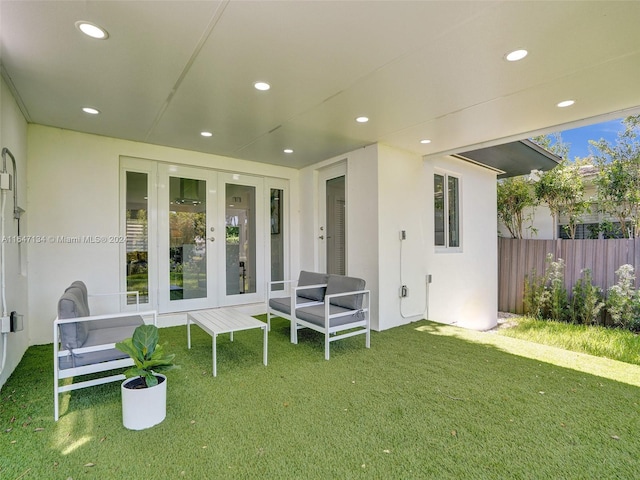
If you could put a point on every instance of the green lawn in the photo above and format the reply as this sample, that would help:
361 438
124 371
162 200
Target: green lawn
426 401
616 344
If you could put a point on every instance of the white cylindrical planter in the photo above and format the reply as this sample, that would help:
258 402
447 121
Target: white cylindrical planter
144 407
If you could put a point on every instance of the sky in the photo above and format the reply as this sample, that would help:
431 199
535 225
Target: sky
579 137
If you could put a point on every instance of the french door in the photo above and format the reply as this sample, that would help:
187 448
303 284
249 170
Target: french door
198 238
188 229
242 245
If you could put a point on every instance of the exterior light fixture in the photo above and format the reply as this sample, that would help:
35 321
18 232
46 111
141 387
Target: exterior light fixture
92 30
206 134
362 119
90 110
262 86
516 55
288 150
425 141
566 103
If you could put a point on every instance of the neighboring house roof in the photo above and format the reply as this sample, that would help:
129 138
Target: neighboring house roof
514 158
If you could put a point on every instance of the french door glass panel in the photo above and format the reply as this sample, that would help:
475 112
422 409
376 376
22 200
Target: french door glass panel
276 216
243 239
137 235
240 245
187 238
336 222
187 224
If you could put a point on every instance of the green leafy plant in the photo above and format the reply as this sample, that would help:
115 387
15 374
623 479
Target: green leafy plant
558 300
535 295
587 301
545 296
147 354
623 304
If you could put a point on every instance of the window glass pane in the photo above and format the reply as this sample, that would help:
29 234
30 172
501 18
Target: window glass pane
240 239
277 238
454 220
438 209
187 238
137 236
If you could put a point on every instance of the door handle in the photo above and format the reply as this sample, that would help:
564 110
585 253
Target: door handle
212 239
321 237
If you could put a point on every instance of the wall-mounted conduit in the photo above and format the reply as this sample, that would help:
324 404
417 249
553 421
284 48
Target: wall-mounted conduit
425 311
7 182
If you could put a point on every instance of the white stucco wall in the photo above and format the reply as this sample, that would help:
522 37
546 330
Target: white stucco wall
403 204
13 135
362 218
464 287
390 190
73 185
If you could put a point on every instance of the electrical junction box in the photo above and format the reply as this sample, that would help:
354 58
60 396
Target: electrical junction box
5 181
16 322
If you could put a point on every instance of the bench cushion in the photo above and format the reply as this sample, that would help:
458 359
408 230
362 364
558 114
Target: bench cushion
315 315
341 284
130 321
102 336
72 305
312 278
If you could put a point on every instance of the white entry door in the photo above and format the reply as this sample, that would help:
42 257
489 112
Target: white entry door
189 231
332 221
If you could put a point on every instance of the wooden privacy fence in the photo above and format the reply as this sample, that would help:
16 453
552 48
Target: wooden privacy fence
517 258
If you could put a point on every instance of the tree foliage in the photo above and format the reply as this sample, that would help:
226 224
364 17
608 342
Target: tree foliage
618 180
514 196
562 189
553 143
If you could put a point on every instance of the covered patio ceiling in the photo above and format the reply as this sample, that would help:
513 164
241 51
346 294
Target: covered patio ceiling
431 76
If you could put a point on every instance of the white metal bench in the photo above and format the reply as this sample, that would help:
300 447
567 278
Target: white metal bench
85 344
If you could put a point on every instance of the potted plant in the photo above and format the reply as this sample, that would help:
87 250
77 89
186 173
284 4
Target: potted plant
144 393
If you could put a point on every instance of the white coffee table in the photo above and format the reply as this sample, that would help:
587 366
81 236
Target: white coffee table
224 320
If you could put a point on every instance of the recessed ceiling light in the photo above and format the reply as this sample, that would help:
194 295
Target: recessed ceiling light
425 141
287 150
566 103
90 110
206 134
516 55
263 86
92 30
362 119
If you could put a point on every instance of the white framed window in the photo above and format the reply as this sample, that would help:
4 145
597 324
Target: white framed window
446 211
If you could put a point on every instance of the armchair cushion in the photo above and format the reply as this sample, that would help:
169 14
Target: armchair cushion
315 315
312 278
283 304
341 284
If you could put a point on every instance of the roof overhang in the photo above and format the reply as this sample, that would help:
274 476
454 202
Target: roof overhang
513 159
